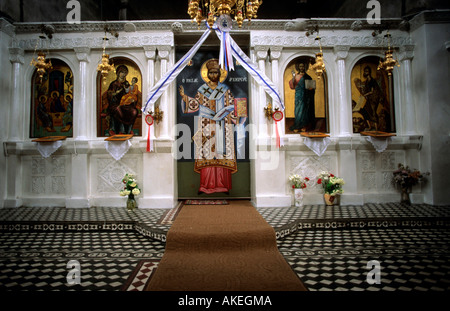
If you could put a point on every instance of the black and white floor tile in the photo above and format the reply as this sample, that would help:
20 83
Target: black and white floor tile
38 260
329 248
408 259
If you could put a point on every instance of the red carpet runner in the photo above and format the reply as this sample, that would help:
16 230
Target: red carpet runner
222 248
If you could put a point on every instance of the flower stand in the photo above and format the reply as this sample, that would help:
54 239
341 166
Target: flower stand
298 197
331 200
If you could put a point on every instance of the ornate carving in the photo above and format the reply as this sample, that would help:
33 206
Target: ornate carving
16 55
387 182
150 51
37 166
38 184
177 27
368 180
341 51
327 40
58 166
164 52
58 185
129 27
310 166
376 170
367 161
82 53
356 25
261 52
110 173
96 41
406 52
48 176
388 161
275 52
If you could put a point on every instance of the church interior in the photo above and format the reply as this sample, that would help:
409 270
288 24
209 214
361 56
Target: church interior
172 145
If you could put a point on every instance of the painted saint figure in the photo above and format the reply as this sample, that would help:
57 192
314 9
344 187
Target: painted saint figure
304 100
215 157
122 116
373 105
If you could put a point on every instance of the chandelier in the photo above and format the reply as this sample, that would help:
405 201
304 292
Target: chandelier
319 65
210 10
40 62
105 67
389 62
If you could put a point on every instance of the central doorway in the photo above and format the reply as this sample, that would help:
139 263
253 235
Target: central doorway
192 79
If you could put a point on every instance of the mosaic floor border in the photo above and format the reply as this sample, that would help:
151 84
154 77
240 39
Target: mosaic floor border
412 259
155 223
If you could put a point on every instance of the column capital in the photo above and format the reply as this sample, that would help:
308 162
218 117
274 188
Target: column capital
261 52
341 51
82 53
406 52
16 55
164 51
150 51
275 52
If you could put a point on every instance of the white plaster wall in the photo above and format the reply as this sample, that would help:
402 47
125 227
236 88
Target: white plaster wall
430 82
91 176
5 78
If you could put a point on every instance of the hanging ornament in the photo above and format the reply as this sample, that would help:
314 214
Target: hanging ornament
41 63
105 67
224 23
277 117
149 121
319 65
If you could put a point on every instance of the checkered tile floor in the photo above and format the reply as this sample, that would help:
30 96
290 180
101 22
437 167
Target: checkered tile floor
117 250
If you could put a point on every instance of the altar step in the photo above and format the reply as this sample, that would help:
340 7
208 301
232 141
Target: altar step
155 223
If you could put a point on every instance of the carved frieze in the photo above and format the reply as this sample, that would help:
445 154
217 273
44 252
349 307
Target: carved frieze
109 173
344 38
310 166
375 170
48 176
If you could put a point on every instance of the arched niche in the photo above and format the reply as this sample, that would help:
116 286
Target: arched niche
372 97
119 99
52 101
310 98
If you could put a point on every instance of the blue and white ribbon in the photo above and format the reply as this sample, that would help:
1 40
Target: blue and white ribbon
227 44
249 66
259 77
158 89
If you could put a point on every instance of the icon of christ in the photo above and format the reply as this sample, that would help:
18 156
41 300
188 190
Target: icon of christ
215 157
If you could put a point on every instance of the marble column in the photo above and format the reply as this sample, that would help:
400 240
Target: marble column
16 131
275 53
164 54
83 121
150 54
342 119
83 115
343 108
149 158
407 111
261 53
16 121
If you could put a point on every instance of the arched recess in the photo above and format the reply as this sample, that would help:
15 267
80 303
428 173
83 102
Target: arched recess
372 96
52 101
310 98
119 99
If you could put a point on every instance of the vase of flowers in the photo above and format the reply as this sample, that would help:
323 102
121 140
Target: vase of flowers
332 187
406 178
130 189
298 184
